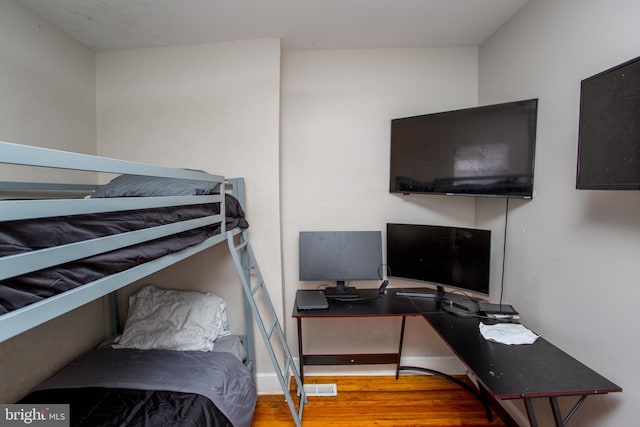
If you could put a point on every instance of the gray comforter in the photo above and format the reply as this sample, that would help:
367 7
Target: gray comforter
221 377
23 236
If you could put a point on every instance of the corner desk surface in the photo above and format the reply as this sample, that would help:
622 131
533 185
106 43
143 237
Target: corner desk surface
517 371
504 371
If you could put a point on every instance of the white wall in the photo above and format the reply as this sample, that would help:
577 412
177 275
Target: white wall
337 106
214 107
572 256
201 106
47 99
47 93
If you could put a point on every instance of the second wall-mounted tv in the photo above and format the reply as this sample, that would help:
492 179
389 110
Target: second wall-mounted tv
609 133
480 151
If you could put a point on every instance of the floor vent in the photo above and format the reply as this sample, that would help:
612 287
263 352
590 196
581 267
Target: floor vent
321 389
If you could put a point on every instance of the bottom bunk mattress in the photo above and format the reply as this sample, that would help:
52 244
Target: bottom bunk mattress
100 407
126 387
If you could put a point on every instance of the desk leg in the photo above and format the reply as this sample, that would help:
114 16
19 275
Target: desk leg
300 352
479 394
557 414
530 412
404 321
485 399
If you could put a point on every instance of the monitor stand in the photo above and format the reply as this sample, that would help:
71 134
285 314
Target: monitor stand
341 291
439 295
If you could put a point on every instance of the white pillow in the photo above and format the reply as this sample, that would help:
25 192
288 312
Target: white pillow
173 320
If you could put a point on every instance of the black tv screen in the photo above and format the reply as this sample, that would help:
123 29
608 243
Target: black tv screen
609 130
481 151
443 256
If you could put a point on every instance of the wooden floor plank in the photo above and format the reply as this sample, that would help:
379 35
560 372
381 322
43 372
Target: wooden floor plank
382 401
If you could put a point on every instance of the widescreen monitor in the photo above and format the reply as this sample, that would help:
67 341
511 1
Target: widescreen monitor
451 257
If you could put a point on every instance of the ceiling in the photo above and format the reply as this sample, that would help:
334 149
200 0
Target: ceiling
300 24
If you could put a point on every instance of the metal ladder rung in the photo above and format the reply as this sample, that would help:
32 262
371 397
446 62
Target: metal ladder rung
273 328
256 288
240 246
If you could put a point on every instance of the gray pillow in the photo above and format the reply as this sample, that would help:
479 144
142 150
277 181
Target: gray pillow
149 186
166 319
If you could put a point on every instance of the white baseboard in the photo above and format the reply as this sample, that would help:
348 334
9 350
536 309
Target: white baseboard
267 383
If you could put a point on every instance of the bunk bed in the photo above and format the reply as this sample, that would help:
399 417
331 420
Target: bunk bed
63 245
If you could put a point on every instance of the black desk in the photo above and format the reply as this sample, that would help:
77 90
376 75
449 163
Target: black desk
520 371
370 305
539 370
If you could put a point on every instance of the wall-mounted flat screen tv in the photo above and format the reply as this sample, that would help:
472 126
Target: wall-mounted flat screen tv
609 131
481 151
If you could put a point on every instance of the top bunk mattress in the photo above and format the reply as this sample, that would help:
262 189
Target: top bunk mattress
36 234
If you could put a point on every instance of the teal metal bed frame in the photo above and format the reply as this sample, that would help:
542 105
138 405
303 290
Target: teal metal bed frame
30 316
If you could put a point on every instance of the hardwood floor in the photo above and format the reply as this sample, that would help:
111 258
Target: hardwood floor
412 400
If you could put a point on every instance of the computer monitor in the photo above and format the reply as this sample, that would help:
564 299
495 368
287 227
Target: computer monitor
340 256
443 256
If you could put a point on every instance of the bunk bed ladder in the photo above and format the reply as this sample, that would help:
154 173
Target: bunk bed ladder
245 262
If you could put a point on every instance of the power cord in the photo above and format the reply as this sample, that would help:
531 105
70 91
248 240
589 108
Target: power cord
383 287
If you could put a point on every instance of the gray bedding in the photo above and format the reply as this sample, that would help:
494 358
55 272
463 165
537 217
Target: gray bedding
219 376
22 236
